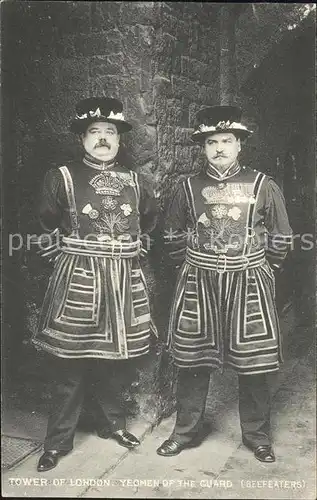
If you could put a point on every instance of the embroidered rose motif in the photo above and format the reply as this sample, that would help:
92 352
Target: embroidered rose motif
203 219
219 211
234 213
126 208
91 212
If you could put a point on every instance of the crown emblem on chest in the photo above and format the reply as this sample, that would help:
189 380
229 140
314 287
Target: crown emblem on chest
229 194
108 183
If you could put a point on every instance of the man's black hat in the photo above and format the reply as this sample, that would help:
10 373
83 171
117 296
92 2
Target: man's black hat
217 119
99 109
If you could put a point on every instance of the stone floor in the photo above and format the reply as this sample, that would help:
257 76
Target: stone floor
221 467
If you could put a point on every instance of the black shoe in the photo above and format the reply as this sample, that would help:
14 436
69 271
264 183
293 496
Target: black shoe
170 448
125 438
103 433
262 452
50 459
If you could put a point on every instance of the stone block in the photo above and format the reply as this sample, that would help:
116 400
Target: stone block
173 112
147 106
114 64
137 41
146 38
164 53
114 86
41 76
70 17
165 148
139 105
183 136
207 94
181 48
192 111
110 42
142 143
162 86
73 73
168 23
177 9
53 116
176 63
165 137
185 88
160 108
145 80
208 47
65 46
186 158
138 12
147 64
194 69
105 15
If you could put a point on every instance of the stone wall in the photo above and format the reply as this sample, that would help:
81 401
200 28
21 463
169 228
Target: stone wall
162 59
159 58
276 89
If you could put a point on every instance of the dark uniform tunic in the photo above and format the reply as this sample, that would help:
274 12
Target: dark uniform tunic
96 304
231 229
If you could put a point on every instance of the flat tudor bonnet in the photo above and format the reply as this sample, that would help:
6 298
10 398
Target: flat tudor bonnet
99 109
218 119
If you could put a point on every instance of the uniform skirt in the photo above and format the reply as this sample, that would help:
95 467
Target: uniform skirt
225 318
95 307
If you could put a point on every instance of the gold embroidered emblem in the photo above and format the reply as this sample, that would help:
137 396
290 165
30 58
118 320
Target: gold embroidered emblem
228 194
110 183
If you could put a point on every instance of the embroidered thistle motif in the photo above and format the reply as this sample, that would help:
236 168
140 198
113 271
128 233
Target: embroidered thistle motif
219 211
221 231
109 203
111 223
105 222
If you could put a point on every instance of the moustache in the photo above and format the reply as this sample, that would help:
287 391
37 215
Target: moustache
102 144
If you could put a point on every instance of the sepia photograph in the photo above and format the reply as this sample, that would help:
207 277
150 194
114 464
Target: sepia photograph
158 250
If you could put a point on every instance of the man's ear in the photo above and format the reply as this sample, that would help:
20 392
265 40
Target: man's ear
239 144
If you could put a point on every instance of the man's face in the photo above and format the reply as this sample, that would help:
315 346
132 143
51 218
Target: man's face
222 149
101 140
